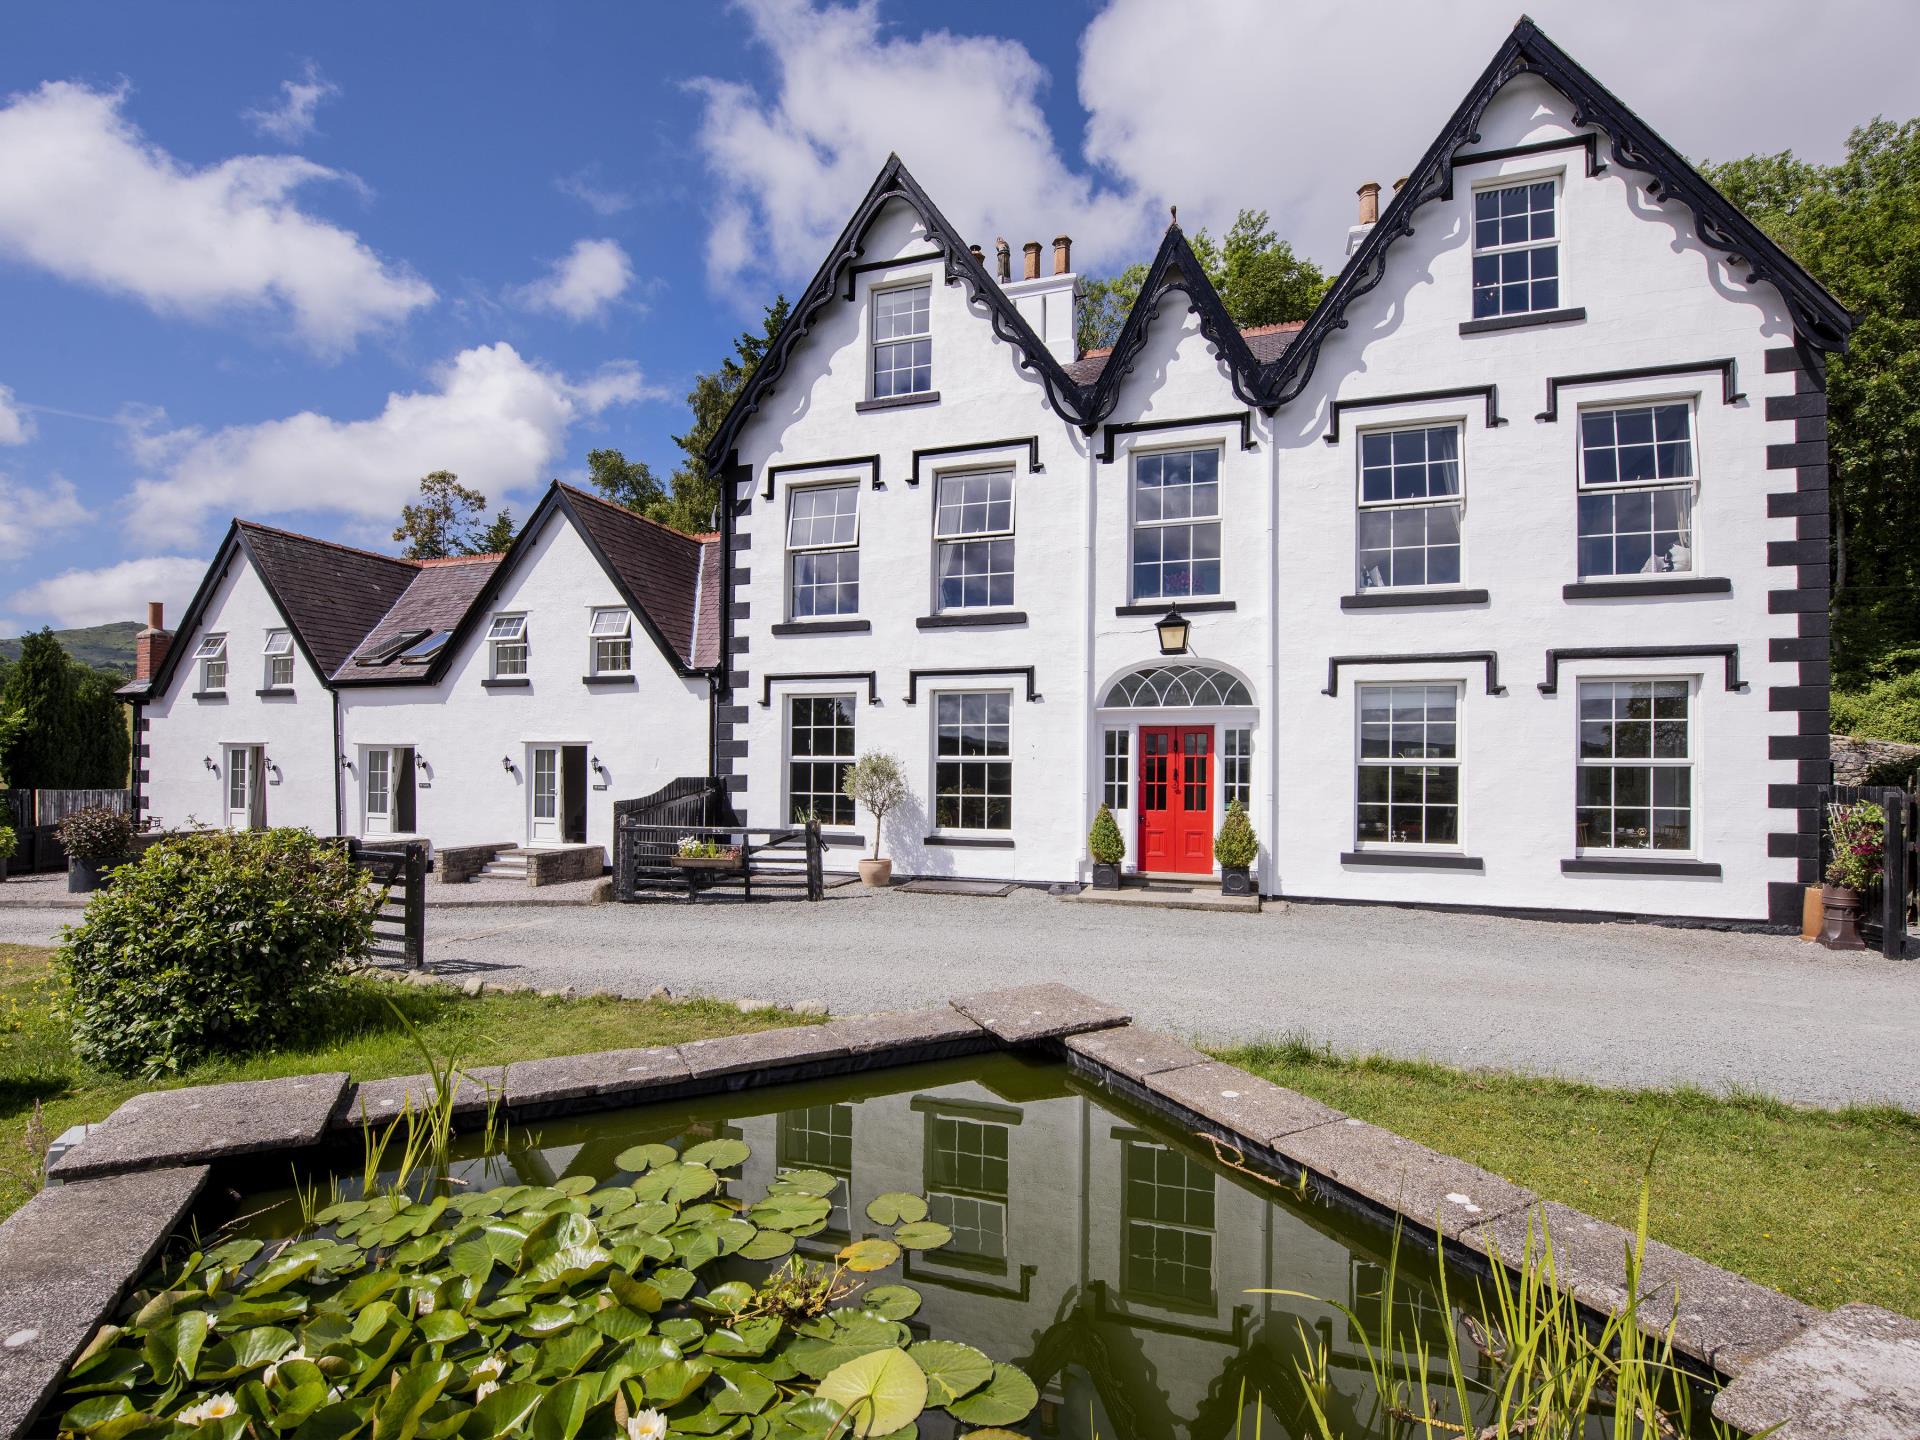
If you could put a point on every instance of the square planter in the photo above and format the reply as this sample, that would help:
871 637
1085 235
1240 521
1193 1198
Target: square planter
1105 877
1236 880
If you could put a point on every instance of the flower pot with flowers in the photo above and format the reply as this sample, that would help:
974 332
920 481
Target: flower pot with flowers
96 839
1858 832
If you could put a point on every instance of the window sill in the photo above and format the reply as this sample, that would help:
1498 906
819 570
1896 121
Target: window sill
823 627
1185 607
1523 322
1413 860
897 402
206 695
971 842
843 838
271 691
610 681
1595 865
507 682
1410 599
967 619
1618 589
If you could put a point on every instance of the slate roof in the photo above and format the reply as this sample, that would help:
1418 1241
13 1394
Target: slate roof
332 595
438 598
658 567
1267 342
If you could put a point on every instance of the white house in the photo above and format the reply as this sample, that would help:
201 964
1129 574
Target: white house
1503 577
495 699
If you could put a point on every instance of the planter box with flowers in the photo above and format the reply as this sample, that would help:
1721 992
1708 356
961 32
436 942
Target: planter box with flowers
96 839
1858 832
700 854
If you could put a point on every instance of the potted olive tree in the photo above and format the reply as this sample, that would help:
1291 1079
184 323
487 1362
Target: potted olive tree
877 782
9 843
1858 832
1108 848
95 839
1236 847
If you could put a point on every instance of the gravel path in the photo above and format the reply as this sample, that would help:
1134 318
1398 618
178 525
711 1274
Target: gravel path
1614 1004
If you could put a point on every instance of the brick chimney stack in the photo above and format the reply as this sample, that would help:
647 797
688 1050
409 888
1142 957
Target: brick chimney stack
150 646
1002 260
1062 255
1032 252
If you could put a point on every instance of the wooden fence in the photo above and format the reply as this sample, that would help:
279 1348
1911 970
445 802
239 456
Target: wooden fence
1891 922
400 929
647 831
33 814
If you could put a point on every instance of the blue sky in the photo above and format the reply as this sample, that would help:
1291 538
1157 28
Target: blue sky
280 261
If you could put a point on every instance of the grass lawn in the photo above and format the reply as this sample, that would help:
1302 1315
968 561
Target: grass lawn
1816 1203
363 1038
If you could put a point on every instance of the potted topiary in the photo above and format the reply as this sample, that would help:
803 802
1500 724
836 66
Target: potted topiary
1236 847
876 781
1108 847
1858 832
9 843
96 839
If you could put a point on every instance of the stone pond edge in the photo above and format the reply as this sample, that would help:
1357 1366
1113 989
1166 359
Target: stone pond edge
1745 1333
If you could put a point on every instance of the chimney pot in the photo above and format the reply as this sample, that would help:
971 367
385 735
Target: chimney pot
1002 260
156 615
977 253
1031 250
1398 183
1062 254
1369 202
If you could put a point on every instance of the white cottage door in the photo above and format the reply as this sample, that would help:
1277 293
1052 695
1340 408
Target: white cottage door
241 779
379 792
544 823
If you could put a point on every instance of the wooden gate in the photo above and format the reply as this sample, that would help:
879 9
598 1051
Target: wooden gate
1891 922
400 929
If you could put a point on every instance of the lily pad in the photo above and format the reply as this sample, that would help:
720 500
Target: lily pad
896 1206
1006 1399
638 1159
866 1256
922 1235
952 1369
808 1182
896 1302
716 1154
880 1392
767 1245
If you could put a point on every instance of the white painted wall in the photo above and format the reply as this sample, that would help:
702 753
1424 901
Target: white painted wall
184 733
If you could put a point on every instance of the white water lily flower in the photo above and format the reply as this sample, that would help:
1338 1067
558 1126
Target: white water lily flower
273 1370
486 1388
491 1366
219 1407
423 1302
647 1425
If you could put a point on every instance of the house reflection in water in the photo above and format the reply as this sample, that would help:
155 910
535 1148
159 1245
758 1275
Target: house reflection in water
1108 1256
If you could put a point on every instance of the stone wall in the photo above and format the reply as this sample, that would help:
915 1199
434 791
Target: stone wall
1854 758
457 864
567 862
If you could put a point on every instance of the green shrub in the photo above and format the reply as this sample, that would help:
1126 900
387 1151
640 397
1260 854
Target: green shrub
214 942
9 842
1104 841
1885 710
1236 845
95 835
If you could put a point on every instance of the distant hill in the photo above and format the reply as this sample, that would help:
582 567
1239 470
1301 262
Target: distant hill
104 647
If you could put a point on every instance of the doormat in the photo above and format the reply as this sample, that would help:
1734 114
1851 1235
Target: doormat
988 888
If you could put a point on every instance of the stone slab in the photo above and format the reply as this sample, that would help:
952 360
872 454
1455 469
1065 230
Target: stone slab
944 1031
607 1077
1133 1052
1026 1013
800 1048
206 1122
1250 1107
1854 1374
66 1258
381 1101
1719 1318
1171 897
1435 1190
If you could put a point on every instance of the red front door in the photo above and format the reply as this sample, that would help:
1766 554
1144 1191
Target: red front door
1176 798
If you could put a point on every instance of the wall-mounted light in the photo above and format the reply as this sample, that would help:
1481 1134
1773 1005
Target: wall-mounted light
345 763
506 763
207 760
1173 628
598 768
274 771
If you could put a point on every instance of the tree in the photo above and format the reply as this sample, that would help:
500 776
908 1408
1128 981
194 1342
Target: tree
63 727
625 482
497 536
877 781
444 522
1855 226
695 501
1260 280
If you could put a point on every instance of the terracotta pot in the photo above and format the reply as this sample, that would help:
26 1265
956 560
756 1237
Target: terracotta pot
1105 876
876 873
1841 930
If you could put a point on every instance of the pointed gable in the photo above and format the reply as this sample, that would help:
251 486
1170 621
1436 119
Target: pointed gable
657 569
331 595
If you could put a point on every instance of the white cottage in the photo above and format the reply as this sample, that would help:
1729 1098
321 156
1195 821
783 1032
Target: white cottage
1499 582
501 700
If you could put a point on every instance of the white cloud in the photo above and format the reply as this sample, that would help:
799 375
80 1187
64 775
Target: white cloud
84 195
496 419
114 592
583 283
16 425
292 119
585 186
29 514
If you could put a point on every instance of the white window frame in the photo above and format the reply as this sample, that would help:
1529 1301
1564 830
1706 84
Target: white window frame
1116 768
1690 483
609 632
934 757
278 651
1235 749
875 341
1691 764
788 759
1458 764
506 635
943 540
1556 178
813 547
211 654
1135 524
1458 500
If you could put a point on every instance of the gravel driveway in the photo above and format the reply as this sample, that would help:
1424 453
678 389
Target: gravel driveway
1614 1004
